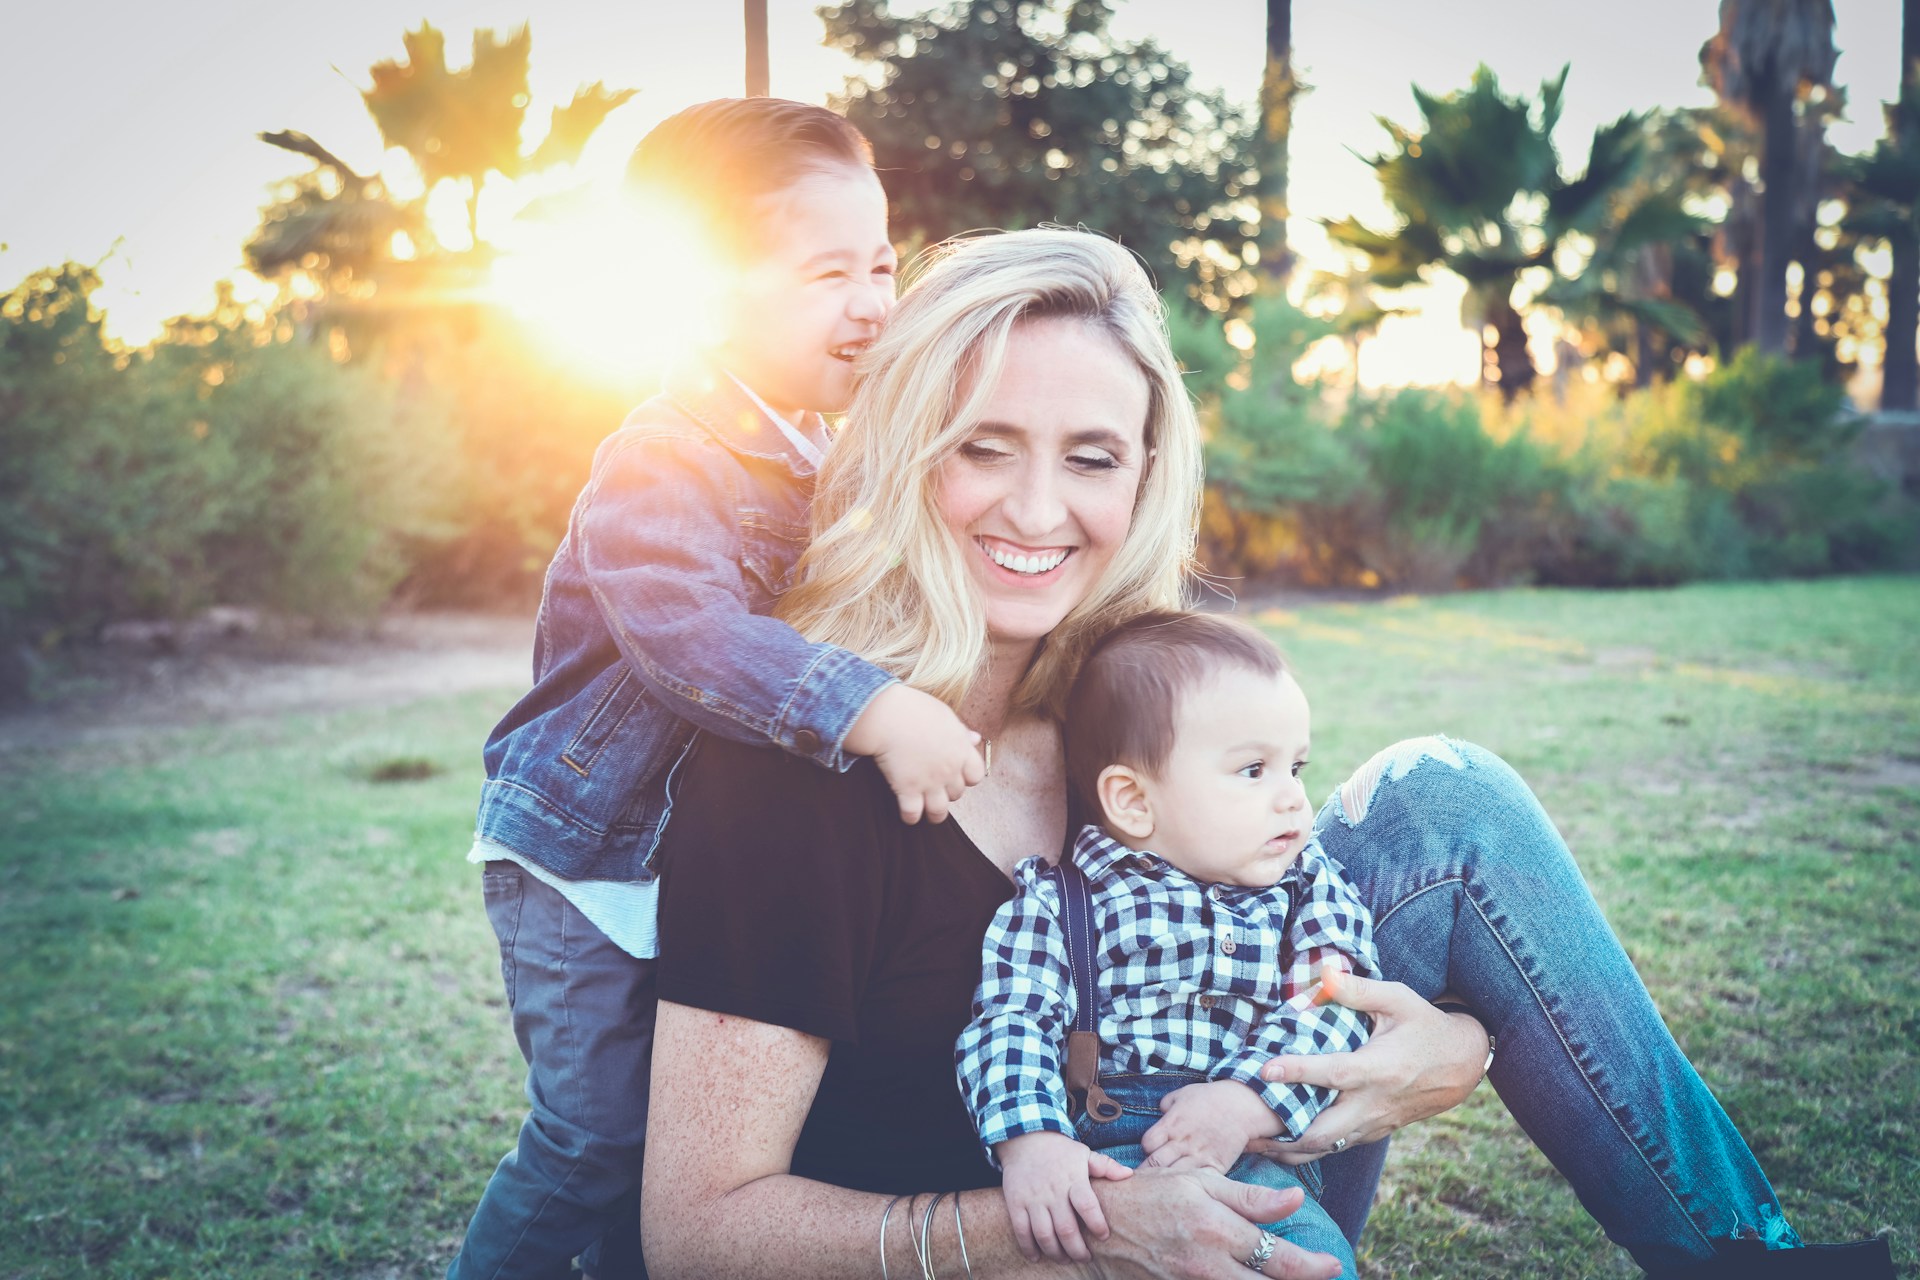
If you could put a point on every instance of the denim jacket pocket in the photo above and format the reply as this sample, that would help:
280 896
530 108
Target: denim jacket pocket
613 696
769 550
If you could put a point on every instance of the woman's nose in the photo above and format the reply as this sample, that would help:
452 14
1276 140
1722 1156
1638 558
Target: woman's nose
1033 507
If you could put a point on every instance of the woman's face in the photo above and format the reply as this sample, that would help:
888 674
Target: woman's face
1040 496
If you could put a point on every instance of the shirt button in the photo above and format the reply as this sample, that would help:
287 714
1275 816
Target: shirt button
1205 1002
1228 947
806 742
1214 892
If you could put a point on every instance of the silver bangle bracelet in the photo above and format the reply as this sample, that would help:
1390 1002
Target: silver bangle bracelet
884 1215
961 1232
923 1246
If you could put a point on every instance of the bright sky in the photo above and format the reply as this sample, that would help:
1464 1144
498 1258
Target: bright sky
127 134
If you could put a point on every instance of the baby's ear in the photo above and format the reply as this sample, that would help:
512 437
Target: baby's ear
1125 802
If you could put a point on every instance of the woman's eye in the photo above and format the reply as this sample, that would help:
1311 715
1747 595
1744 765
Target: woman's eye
976 452
1093 461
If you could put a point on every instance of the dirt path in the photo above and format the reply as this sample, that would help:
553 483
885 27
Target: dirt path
126 692
402 659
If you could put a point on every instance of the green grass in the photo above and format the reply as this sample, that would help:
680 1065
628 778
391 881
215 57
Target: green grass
252 1022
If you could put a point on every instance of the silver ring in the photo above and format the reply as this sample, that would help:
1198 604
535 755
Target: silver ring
1339 1145
1257 1260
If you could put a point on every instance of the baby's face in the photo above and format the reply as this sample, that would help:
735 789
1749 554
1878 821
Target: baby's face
1229 807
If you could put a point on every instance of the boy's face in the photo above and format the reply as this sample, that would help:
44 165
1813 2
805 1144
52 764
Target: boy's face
814 297
1228 807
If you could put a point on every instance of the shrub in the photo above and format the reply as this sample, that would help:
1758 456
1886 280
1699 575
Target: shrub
220 467
1748 472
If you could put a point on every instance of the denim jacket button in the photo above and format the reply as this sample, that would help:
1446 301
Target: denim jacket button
806 742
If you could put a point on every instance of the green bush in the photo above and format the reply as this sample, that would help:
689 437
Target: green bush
218 467
1746 473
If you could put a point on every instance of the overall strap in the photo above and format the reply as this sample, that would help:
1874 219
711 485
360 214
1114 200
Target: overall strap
1083 1039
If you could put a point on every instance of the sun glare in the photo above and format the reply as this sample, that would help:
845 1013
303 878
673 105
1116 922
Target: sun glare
618 287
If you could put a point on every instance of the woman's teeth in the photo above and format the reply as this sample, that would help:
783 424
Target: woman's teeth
1026 564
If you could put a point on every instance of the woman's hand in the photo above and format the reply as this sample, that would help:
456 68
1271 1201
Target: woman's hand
1195 1224
1420 1061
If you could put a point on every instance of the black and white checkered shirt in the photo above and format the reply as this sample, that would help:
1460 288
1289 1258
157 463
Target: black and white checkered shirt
1192 977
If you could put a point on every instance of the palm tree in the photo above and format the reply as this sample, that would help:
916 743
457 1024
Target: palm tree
757 74
1479 191
1278 88
1884 203
1766 53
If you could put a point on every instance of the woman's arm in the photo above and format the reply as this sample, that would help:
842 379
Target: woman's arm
729 1096
1421 1061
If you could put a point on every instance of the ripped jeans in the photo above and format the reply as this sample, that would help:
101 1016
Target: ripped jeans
1473 891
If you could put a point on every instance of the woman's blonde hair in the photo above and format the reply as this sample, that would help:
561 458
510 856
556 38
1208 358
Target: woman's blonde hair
884 577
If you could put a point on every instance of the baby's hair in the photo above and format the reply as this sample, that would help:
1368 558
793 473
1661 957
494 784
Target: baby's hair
1126 698
722 160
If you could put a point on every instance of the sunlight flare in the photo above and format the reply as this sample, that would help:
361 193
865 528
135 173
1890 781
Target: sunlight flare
616 285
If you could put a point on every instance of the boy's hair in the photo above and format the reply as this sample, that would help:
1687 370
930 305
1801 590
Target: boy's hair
1126 700
884 575
721 160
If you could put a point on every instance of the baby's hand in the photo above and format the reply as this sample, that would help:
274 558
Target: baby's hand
925 753
1208 1126
1047 1181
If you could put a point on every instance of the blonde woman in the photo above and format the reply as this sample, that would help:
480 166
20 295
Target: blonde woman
1021 471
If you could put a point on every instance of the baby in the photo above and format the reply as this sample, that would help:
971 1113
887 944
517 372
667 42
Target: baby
1213 909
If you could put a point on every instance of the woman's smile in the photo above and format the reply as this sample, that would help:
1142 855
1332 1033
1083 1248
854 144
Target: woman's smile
1026 565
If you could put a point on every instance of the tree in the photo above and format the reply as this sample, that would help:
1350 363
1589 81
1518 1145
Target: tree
1884 200
463 125
1478 191
1646 292
1765 57
1278 89
1007 113
345 234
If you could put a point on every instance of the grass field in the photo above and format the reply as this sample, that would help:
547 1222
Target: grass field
252 1023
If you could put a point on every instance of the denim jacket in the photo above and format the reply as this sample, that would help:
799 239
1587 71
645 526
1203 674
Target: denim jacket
653 622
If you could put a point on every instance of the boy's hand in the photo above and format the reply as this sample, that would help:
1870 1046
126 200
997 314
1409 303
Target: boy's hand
1047 1182
925 753
1208 1126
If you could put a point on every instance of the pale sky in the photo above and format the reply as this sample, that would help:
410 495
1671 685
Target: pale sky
127 131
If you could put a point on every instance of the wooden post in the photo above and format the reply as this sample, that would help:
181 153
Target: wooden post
757 79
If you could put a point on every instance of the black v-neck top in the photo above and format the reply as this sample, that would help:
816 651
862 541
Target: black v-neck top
795 896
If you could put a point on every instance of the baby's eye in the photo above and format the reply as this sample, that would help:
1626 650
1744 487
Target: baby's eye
887 269
1253 770
1298 767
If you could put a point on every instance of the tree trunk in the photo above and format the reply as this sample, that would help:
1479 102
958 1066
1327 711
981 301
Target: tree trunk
1898 389
1510 351
1900 371
1277 90
758 83
1776 222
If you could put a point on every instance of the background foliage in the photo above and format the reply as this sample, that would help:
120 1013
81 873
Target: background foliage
382 429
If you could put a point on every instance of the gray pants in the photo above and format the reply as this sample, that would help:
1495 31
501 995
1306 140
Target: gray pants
583 1012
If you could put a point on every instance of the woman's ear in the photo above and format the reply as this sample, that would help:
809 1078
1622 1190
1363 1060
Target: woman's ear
1124 800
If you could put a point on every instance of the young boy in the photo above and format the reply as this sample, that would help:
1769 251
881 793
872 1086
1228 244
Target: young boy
1213 909
653 624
